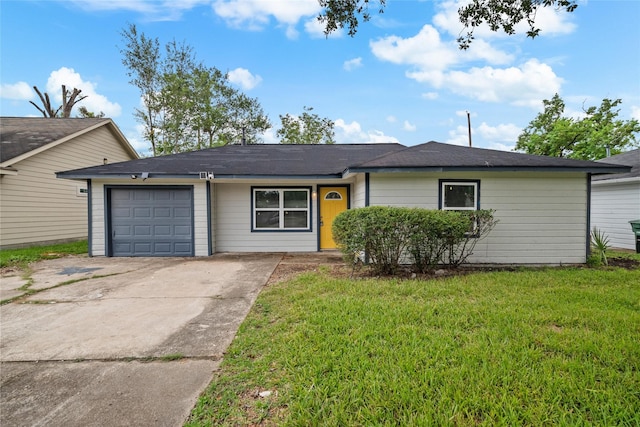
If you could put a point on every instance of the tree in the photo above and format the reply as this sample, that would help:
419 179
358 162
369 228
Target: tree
187 106
499 15
69 100
307 129
141 57
588 138
86 114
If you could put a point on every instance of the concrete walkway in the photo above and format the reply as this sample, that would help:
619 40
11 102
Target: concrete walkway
120 341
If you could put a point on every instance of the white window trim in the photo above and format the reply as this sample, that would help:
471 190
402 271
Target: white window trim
460 183
281 209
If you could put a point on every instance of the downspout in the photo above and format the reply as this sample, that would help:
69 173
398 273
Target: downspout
588 248
367 195
209 222
89 219
366 189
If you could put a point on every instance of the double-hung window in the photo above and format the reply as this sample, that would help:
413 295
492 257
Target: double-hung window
459 195
281 209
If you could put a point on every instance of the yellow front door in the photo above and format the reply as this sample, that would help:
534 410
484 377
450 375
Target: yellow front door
332 201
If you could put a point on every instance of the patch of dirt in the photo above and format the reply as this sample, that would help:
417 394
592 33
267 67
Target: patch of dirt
627 263
292 265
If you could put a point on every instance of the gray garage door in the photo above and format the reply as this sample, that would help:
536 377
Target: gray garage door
151 221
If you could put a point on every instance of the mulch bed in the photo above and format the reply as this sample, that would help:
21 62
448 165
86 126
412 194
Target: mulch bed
293 265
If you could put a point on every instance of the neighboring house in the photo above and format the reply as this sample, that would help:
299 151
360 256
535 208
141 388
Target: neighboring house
283 198
35 207
615 200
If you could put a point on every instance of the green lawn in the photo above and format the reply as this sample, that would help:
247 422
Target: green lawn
22 257
532 347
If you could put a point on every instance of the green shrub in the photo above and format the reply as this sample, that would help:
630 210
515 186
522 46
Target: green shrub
600 244
377 231
433 234
424 238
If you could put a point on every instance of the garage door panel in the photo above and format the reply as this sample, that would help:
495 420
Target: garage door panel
162 212
151 221
142 230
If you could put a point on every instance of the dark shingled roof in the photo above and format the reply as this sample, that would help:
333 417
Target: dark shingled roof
20 135
260 160
630 158
332 161
436 156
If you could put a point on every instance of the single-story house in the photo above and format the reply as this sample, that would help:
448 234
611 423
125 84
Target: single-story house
615 200
277 198
35 207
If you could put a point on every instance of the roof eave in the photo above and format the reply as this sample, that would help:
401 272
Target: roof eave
392 169
84 176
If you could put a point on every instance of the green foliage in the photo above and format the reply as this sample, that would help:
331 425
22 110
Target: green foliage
382 233
307 129
498 15
552 134
23 256
424 238
537 347
504 15
187 105
600 244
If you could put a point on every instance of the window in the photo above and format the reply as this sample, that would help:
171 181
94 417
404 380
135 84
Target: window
333 195
459 195
281 209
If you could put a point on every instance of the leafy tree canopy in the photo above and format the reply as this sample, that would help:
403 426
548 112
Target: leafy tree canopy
186 105
309 128
499 15
587 138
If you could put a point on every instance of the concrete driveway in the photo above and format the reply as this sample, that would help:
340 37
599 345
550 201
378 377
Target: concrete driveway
120 341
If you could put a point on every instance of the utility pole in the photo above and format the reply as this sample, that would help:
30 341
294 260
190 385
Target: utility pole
469 125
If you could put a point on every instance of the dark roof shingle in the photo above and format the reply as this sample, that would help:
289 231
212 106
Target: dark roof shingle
630 158
20 135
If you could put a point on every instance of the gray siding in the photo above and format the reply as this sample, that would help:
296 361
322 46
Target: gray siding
200 226
37 208
542 216
233 233
613 205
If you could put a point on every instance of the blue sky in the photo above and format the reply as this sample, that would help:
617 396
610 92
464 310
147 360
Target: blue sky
400 79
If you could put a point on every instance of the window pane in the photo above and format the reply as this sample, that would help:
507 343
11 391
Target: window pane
459 196
333 195
295 199
268 219
295 219
268 199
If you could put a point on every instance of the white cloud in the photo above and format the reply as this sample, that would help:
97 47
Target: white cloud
550 21
352 133
166 10
408 126
243 78
352 64
635 112
94 102
270 137
501 137
392 119
430 95
255 14
20 91
524 85
502 133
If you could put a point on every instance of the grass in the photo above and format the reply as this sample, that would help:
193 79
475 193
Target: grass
22 257
532 347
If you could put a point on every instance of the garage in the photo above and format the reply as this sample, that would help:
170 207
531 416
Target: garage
150 221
